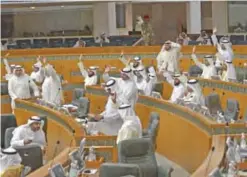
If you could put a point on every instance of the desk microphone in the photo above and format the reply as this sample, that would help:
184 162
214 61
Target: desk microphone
209 160
73 136
55 153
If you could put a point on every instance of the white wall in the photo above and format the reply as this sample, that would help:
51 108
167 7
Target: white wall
53 20
220 16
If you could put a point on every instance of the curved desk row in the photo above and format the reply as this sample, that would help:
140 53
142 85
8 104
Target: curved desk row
184 136
65 60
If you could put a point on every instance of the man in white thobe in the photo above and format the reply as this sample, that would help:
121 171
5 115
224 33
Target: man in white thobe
178 87
9 158
19 86
51 87
132 127
137 61
38 72
29 133
202 36
109 121
125 87
184 39
208 67
228 72
194 93
145 82
9 69
168 58
90 75
224 48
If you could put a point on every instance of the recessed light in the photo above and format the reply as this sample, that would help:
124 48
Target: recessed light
32 7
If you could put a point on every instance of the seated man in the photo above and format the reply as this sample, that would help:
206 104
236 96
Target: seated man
194 94
79 43
132 127
90 75
109 121
9 158
29 133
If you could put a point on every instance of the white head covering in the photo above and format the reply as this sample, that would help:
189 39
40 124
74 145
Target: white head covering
112 84
126 111
195 86
9 157
138 59
127 71
93 69
12 66
231 72
18 67
210 60
34 119
141 69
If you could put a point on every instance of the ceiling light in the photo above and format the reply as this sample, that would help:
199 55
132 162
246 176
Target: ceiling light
32 7
62 6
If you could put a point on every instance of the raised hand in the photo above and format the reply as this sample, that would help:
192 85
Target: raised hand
44 59
107 68
214 30
80 59
194 50
38 58
122 53
6 55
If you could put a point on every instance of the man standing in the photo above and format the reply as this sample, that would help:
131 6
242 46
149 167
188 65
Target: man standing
19 86
146 29
168 58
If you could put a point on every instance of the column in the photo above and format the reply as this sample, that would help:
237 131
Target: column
104 18
129 16
220 16
193 14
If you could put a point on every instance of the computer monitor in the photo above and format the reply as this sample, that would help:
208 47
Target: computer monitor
57 171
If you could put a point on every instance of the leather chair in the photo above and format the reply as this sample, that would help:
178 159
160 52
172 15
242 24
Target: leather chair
232 110
81 102
152 129
119 170
6 121
31 155
213 104
4 88
140 151
8 136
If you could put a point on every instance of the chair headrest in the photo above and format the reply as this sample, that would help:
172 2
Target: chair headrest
135 147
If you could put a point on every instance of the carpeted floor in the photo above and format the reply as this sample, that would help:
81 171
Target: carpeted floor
178 171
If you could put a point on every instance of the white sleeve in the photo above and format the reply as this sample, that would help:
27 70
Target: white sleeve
214 39
197 62
82 69
131 94
159 60
110 113
16 140
34 87
169 78
124 61
7 67
106 77
11 89
175 45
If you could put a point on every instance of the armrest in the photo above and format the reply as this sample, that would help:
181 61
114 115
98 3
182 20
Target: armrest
162 172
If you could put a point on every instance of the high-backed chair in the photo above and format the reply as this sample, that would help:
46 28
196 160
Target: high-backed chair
245 116
6 121
195 71
8 136
140 151
31 156
44 119
4 88
119 170
213 103
153 124
78 93
81 102
232 110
